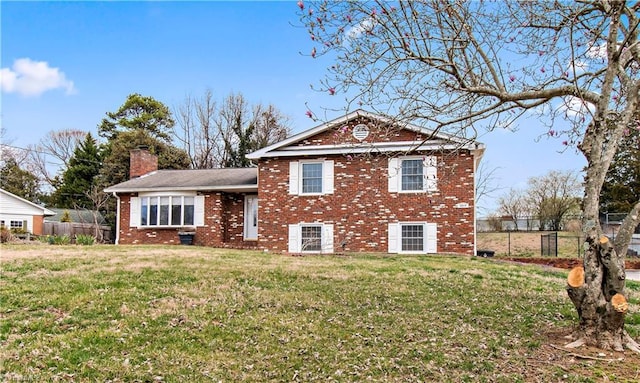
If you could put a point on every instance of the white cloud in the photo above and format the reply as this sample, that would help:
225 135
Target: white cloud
597 51
32 78
356 31
577 107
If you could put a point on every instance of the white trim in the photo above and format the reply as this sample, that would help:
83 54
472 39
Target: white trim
367 148
294 241
134 211
293 178
326 244
182 190
117 239
162 193
392 236
327 177
198 210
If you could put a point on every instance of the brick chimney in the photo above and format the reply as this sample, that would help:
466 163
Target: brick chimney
141 162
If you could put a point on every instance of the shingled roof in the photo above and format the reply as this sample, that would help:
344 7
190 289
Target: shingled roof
226 179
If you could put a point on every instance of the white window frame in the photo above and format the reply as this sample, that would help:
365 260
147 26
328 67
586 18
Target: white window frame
17 224
326 240
429 173
430 237
135 212
296 179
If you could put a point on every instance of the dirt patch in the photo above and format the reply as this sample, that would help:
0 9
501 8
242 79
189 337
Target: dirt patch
564 263
588 362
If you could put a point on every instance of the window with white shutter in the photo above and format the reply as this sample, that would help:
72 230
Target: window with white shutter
413 174
413 237
311 238
311 177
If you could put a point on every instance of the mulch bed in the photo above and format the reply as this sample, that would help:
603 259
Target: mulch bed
565 263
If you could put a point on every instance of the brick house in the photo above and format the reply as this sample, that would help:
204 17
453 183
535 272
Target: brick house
359 183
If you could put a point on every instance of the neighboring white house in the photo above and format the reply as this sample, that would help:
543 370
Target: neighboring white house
18 213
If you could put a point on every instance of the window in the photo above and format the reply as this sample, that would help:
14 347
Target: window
413 237
311 177
16 225
311 238
413 174
167 211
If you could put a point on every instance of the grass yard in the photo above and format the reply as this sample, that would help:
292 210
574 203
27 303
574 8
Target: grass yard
527 243
192 314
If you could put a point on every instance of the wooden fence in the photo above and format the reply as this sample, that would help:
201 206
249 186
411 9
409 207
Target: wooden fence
71 229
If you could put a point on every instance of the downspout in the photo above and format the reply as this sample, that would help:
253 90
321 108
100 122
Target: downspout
117 217
477 155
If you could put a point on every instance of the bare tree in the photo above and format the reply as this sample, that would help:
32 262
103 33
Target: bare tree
271 126
221 134
514 204
199 135
462 65
486 182
553 196
99 200
53 152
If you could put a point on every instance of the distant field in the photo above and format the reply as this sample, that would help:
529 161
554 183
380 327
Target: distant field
192 314
528 243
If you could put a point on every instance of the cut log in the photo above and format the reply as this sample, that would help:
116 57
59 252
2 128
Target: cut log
576 277
619 303
604 239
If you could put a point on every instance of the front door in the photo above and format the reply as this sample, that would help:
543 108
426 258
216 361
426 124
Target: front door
251 217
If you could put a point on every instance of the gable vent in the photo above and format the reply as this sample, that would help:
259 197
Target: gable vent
360 132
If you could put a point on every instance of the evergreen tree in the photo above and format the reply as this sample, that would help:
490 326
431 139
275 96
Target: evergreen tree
19 181
138 113
116 160
80 176
621 188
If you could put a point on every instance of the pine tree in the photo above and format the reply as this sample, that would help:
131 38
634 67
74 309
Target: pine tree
19 181
621 188
80 176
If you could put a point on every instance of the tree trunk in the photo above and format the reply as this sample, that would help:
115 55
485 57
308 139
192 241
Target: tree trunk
597 292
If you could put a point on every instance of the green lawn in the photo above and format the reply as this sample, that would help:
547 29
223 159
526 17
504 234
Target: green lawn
191 314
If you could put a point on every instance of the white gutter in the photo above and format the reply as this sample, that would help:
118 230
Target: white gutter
117 218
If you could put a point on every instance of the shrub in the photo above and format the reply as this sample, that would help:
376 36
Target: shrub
5 235
60 240
85 239
66 217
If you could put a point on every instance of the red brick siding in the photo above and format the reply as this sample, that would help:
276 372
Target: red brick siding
377 133
361 207
224 224
141 162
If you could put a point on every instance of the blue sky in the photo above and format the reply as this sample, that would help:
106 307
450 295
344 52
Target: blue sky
85 58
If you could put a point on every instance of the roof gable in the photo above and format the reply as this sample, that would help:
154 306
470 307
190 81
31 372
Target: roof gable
11 203
381 134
